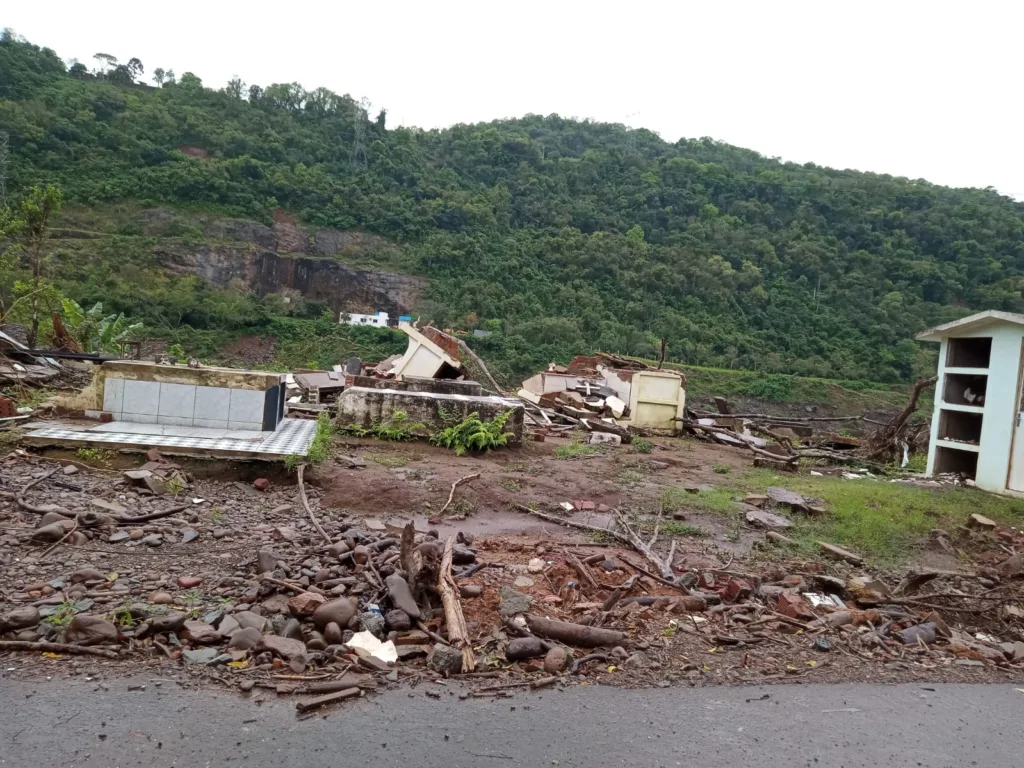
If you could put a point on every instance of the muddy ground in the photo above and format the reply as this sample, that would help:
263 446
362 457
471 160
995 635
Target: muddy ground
202 561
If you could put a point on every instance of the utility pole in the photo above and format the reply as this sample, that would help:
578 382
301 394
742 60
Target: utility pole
5 141
360 114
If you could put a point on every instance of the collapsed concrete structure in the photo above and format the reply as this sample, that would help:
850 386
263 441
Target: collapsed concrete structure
621 391
428 385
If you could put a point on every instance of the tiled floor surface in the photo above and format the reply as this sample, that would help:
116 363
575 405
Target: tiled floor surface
292 437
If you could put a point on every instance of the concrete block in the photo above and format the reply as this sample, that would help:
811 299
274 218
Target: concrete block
364 406
113 396
177 401
141 398
212 403
246 405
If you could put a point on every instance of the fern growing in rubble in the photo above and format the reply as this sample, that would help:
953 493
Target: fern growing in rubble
396 427
472 434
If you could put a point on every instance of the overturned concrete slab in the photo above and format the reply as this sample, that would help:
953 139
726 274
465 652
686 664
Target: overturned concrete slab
365 406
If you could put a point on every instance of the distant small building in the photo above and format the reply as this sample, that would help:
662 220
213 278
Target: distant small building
978 423
376 320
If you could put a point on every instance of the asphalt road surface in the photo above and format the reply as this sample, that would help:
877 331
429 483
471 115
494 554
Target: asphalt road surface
78 723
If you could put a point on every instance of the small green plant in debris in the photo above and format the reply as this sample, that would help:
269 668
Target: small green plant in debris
98 455
629 477
720 469
175 484
473 434
63 615
576 448
9 439
216 514
122 616
460 508
192 599
319 449
511 484
640 445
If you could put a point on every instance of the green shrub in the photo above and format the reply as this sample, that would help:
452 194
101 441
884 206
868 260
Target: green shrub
472 434
319 450
642 446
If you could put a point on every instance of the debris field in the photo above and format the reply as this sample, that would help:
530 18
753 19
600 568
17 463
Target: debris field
270 586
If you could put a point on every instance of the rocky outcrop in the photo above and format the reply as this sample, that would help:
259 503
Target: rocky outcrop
267 260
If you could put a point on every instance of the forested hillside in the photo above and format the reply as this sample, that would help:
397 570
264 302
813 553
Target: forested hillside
563 236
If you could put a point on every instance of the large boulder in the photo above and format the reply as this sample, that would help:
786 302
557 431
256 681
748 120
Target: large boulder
90 630
19 618
340 610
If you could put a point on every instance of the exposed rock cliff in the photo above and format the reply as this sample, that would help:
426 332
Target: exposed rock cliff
288 256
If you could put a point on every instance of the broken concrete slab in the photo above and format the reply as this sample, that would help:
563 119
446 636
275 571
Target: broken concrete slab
840 553
764 519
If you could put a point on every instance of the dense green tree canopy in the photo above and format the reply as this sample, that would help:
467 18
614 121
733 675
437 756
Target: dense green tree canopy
576 235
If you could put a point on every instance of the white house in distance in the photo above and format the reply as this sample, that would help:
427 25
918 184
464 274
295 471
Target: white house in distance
377 319
978 423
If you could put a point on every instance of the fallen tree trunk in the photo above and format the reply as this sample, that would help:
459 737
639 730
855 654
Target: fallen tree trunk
577 635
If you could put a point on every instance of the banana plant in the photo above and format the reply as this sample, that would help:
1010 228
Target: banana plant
94 331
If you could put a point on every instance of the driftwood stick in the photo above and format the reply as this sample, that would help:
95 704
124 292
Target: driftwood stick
458 633
584 659
64 538
431 634
637 543
294 587
139 519
647 573
581 571
81 650
728 432
455 485
573 523
305 504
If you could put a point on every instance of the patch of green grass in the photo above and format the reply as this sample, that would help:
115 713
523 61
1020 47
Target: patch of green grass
720 469
679 528
918 463
676 498
576 448
640 445
629 477
393 461
881 520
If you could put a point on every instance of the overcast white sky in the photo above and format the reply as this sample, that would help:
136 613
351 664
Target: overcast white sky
919 89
